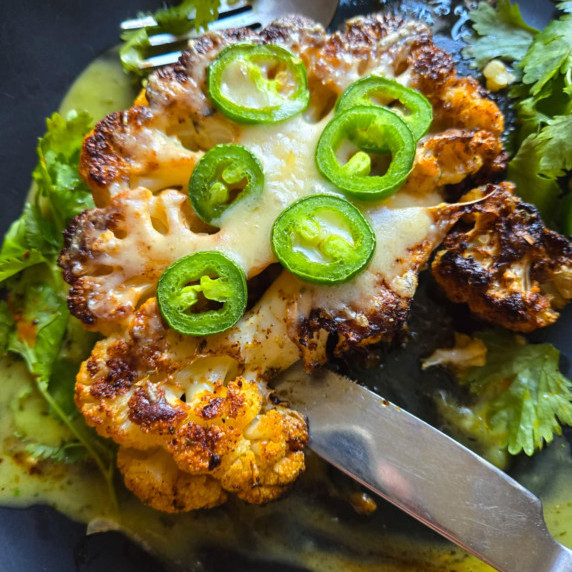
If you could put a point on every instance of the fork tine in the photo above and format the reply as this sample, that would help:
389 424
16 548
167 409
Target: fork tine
158 61
162 39
246 18
136 23
149 21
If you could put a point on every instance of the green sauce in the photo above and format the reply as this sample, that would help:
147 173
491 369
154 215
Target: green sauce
102 88
285 530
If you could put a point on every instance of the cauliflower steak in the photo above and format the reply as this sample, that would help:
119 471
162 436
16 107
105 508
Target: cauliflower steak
193 416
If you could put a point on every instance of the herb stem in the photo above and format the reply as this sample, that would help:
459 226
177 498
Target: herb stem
106 471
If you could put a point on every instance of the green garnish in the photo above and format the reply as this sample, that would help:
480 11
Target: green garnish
35 319
542 164
502 34
177 20
521 393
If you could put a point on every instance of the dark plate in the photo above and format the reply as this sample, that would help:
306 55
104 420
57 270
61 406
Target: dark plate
44 45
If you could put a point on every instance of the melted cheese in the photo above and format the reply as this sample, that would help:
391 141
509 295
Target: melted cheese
287 151
160 229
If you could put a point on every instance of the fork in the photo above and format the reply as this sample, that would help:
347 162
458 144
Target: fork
252 14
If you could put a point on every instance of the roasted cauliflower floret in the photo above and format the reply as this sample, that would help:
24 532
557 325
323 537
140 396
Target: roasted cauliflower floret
451 157
466 353
457 102
154 389
155 479
114 256
504 263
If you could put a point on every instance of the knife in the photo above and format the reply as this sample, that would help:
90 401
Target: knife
424 472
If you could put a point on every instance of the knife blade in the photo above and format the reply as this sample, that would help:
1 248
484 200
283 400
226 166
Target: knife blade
424 472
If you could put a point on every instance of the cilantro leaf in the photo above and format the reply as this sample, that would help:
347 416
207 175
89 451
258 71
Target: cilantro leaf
42 319
36 237
6 326
525 171
133 50
555 146
549 55
68 452
502 33
540 160
30 240
543 101
11 266
521 394
56 174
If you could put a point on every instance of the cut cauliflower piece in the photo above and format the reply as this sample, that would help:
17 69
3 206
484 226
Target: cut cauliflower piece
114 256
504 263
457 102
466 353
451 157
128 149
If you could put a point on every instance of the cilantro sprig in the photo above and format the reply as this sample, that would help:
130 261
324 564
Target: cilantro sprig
500 33
519 398
35 322
524 396
542 62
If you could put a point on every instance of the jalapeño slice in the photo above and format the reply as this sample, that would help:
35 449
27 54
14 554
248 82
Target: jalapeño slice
253 83
189 288
323 239
367 130
225 175
414 109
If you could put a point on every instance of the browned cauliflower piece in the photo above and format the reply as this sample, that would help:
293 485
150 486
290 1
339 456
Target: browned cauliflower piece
451 157
504 263
457 102
114 256
466 353
202 403
155 479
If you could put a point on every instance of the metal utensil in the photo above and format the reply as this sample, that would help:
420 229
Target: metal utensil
424 472
252 14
